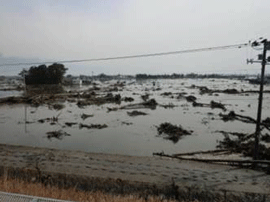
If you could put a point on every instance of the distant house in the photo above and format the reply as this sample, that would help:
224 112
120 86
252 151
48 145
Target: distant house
86 79
72 80
76 81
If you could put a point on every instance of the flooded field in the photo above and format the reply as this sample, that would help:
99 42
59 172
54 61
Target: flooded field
125 124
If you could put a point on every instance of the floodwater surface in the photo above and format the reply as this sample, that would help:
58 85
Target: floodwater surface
136 135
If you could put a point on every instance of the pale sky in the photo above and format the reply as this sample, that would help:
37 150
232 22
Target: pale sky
54 30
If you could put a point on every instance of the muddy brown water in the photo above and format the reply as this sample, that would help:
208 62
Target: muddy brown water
136 135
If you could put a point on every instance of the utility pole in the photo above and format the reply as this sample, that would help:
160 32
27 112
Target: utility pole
266 46
25 107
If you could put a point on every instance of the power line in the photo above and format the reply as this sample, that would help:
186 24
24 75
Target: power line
134 56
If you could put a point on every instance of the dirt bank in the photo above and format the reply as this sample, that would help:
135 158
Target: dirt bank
135 171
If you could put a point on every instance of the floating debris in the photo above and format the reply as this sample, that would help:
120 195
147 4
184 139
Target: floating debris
57 134
114 89
126 123
85 116
243 144
83 103
191 98
231 91
109 98
145 97
70 124
266 138
120 84
128 99
241 136
88 95
172 132
266 121
136 113
41 120
170 105
26 122
93 126
196 104
214 105
231 116
113 98
112 109
204 90
166 94
57 106
12 100
151 104
53 119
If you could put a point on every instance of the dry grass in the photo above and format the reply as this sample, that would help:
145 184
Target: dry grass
14 181
38 189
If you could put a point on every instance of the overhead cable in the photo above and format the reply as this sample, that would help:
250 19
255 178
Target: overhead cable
133 56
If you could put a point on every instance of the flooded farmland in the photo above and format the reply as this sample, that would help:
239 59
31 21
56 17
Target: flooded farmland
122 117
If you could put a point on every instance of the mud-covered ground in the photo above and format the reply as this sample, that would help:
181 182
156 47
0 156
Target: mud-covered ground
126 117
129 174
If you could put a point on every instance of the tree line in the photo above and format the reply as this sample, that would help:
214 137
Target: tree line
190 75
42 74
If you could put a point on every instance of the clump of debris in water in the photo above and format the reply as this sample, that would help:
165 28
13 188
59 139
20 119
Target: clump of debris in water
172 132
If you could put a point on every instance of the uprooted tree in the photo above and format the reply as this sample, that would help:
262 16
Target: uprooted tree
42 74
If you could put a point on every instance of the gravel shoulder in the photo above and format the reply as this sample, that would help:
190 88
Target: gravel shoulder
153 170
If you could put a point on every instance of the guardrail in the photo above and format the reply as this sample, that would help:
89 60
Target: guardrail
10 197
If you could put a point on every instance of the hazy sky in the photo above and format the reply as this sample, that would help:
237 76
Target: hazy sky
53 30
